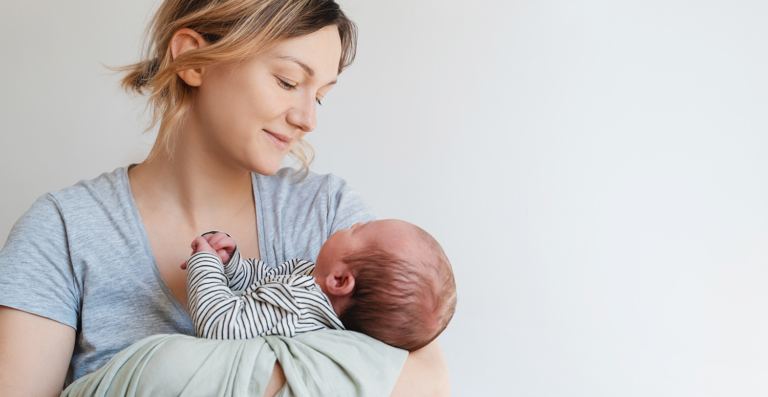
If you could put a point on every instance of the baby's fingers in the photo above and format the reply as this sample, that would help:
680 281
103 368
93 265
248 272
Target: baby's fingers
222 241
223 255
214 238
199 244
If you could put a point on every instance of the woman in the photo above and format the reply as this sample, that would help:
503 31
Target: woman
234 84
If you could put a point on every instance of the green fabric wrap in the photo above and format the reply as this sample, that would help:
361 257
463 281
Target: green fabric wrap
321 363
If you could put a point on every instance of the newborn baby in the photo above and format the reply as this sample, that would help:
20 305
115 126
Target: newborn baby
388 279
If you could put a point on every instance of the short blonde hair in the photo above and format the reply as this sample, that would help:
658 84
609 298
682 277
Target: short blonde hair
236 30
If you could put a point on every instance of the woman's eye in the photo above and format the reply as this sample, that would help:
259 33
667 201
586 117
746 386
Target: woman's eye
318 102
285 84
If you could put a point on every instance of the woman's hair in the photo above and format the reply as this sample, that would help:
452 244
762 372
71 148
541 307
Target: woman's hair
236 30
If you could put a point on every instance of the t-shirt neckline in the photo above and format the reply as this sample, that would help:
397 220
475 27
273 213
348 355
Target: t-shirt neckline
144 242
144 237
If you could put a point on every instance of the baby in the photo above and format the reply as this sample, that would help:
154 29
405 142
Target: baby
388 279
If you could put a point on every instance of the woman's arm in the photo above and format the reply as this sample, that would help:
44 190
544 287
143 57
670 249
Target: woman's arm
276 381
425 373
34 354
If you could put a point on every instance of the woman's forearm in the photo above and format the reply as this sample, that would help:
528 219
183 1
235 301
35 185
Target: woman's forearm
276 381
34 354
425 373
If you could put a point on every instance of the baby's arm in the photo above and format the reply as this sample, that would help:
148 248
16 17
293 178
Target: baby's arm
244 272
240 272
216 312
276 305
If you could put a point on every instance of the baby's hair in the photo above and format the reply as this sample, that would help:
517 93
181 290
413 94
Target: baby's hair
404 304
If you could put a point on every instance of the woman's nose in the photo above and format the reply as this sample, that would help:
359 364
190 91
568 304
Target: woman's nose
303 115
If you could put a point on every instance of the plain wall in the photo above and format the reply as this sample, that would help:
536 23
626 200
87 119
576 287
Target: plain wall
595 170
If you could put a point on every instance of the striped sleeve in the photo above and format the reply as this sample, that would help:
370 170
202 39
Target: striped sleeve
241 273
284 301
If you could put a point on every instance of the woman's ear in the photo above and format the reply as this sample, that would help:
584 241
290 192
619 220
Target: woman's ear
182 41
340 283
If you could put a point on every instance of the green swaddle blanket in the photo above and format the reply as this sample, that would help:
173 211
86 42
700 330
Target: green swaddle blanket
321 363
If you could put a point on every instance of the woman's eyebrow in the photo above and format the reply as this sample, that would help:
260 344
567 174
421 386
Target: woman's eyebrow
309 70
303 65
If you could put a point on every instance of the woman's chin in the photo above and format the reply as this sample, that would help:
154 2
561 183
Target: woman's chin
266 169
258 160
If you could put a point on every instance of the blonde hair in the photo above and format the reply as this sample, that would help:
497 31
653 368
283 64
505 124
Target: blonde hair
236 30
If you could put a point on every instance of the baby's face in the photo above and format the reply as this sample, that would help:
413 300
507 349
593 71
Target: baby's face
360 235
389 234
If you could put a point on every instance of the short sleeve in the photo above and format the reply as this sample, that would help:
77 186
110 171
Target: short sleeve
345 206
36 272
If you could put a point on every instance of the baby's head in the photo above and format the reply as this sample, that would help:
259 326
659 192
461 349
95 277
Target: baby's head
388 279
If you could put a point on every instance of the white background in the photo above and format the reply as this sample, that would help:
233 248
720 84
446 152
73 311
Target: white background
595 170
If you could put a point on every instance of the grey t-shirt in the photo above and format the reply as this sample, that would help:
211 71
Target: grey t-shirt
81 256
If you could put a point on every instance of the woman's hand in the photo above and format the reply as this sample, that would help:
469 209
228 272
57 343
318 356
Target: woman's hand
34 354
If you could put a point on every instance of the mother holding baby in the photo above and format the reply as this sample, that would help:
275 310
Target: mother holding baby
234 86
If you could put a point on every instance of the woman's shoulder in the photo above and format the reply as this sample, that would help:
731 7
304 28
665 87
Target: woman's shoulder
92 210
105 188
289 188
105 192
291 180
46 239
299 212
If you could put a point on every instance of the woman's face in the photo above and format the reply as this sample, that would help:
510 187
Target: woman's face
251 113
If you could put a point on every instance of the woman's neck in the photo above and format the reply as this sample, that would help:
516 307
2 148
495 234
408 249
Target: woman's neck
193 182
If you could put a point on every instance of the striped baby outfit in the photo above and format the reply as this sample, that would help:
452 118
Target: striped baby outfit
276 301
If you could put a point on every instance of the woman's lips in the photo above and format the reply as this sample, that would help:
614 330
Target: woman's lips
280 141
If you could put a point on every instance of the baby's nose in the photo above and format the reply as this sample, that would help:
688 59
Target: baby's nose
356 225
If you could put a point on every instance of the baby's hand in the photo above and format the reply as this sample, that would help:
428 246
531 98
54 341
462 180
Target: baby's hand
223 245
217 243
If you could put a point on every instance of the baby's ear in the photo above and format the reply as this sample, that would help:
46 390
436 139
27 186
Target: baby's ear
340 283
